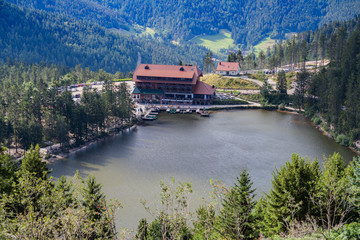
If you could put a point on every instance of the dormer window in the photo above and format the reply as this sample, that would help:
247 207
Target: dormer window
147 67
182 69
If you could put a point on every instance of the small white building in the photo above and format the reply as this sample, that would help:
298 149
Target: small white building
228 68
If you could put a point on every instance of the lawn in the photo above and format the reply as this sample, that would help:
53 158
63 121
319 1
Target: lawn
230 83
253 97
264 44
216 42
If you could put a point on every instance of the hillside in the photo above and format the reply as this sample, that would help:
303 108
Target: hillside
249 21
34 36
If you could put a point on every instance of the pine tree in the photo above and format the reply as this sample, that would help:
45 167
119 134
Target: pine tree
236 218
281 83
289 198
93 198
33 163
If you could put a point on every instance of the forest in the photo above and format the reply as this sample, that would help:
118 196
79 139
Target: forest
248 21
36 106
328 95
306 201
36 36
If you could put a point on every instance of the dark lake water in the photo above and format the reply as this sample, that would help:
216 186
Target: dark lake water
196 149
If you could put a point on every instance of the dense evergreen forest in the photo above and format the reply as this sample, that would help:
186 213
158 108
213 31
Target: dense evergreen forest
34 109
329 95
249 21
34 36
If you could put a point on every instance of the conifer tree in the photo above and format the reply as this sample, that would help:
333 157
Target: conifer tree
289 198
33 163
93 198
332 196
236 218
281 83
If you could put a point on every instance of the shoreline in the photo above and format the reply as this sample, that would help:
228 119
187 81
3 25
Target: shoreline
288 110
62 154
327 134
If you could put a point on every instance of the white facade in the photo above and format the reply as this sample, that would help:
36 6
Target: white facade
231 73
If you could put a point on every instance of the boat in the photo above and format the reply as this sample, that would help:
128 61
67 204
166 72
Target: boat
172 111
178 110
168 110
198 110
205 114
188 111
149 118
153 112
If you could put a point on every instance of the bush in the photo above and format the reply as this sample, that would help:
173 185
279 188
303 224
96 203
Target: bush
348 231
342 139
281 106
316 120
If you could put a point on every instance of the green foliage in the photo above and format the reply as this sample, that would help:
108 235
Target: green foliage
289 198
281 83
252 97
348 231
258 76
171 220
342 139
355 183
36 208
63 37
39 108
316 120
333 90
229 83
32 163
236 57
7 172
332 196
142 231
236 217
205 223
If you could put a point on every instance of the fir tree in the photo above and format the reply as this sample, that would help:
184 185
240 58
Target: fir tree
237 219
281 83
33 163
289 198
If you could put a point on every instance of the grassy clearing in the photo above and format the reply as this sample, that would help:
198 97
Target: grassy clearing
258 76
253 97
264 44
216 42
230 83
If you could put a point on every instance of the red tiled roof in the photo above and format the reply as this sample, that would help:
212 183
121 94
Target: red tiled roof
170 71
227 66
203 88
166 73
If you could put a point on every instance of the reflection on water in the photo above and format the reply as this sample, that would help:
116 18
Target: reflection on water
191 148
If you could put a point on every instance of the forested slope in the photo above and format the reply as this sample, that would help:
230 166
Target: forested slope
249 21
34 36
331 94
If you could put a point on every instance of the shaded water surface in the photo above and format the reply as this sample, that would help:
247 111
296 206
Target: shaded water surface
191 148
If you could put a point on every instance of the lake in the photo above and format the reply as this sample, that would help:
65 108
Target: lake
192 148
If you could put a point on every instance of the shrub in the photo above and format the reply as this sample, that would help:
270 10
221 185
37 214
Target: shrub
316 120
281 106
348 231
342 139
